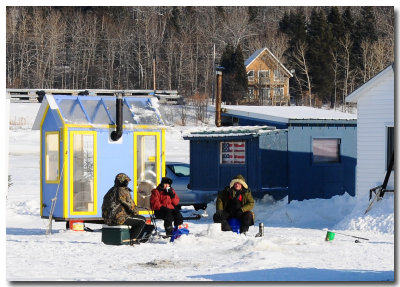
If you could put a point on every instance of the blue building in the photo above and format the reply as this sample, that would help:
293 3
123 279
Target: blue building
85 141
299 152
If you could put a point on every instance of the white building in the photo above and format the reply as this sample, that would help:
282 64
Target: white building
375 131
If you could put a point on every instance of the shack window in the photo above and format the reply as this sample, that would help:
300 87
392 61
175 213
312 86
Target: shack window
52 155
326 150
233 152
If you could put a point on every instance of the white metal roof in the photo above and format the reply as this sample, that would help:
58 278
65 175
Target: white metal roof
286 113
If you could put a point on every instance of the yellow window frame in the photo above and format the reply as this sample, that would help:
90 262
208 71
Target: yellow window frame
160 159
45 157
71 173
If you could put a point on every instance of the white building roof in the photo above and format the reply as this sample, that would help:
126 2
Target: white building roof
286 113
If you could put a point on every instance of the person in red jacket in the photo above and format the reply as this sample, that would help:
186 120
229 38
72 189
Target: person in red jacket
163 201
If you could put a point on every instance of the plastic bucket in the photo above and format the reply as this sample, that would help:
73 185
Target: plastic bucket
329 236
234 223
76 225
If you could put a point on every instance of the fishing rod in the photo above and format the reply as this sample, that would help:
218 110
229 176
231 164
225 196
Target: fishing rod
351 235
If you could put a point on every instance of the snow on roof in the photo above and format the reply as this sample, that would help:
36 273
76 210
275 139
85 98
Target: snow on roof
287 113
230 131
259 52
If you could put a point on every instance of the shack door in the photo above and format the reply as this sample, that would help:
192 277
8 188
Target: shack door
83 171
147 166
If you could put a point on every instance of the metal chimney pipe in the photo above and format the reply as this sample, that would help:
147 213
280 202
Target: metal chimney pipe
218 99
116 135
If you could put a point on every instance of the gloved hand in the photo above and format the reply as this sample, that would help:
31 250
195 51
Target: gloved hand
170 192
233 205
238 213
164 209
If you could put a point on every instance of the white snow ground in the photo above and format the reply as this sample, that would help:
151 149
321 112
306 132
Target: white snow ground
293 248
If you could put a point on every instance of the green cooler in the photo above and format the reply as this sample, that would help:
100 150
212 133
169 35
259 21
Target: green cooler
115 235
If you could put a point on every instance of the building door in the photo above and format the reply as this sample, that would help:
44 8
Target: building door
83 170
147 166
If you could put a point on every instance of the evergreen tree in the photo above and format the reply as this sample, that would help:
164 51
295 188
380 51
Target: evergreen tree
234 79
319 41
294 26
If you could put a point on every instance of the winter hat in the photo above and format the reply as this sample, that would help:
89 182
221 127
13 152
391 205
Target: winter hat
166 180
121 177
240 179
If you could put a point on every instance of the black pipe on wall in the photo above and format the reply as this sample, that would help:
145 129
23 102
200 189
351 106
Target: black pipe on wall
117 134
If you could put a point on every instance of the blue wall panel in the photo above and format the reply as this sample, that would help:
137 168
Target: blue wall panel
49 190
320 180
204 163
112 158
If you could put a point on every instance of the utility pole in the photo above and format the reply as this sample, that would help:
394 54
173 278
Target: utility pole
154 75
213 79
218 98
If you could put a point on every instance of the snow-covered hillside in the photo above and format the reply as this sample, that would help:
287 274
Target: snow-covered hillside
293 248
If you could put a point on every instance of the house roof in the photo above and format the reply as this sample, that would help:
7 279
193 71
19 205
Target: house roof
257 53
355 95
100 110
286 114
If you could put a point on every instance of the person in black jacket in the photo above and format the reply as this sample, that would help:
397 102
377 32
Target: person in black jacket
235 201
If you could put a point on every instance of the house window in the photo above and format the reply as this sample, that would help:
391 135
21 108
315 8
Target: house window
277 75
263 76
233 152
278 92
52 157
250 75
251 90
390 146
326 150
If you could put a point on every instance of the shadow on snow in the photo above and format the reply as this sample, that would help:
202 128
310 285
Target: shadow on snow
301 274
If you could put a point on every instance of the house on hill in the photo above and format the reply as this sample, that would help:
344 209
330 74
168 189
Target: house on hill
375 130
268 79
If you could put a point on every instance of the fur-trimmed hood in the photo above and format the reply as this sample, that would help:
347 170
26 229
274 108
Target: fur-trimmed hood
240 179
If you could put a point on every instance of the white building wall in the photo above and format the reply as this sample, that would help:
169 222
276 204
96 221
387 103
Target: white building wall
375 108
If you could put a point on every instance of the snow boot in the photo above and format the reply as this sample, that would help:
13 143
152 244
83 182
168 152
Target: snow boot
225 226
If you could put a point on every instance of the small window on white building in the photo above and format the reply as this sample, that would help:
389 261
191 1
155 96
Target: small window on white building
326 150
233 152
250 75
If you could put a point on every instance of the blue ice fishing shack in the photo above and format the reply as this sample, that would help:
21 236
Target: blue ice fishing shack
85 141
307 152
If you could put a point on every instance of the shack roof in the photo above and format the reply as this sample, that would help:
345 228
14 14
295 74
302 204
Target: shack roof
288 114
232 131
100 110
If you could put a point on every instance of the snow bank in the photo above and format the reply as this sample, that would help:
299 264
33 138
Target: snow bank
339 212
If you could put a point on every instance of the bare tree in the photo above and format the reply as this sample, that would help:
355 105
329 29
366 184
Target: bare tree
301 63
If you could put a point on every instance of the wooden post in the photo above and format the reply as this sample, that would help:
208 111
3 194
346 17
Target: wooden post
154 75
218 99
